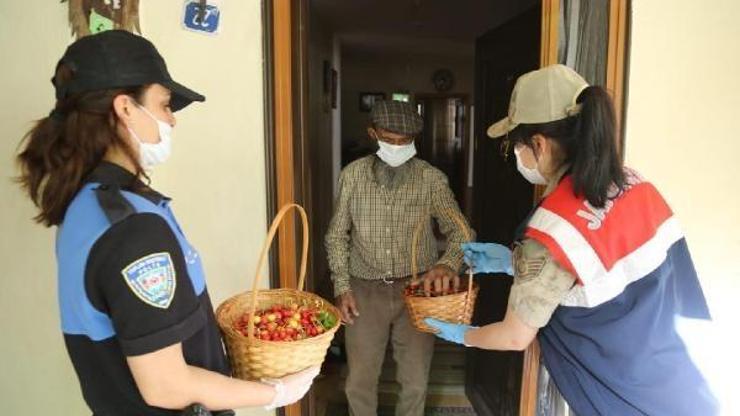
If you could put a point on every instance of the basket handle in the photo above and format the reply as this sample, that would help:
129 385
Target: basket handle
263 257
415 267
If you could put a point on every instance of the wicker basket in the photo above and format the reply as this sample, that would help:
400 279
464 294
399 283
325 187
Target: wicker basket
252 358
455 308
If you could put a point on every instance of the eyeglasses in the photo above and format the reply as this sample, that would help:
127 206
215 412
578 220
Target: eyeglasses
506 148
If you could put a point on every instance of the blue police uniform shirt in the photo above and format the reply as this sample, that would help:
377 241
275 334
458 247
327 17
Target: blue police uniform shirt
129 284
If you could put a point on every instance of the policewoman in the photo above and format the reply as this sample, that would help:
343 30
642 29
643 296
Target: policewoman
137 320
601 267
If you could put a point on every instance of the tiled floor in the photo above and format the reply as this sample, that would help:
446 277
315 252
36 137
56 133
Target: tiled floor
446 394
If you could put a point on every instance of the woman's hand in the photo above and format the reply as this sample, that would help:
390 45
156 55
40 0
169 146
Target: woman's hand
488 258
448 331
291 388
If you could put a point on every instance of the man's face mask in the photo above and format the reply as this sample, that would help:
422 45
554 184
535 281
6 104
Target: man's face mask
395 155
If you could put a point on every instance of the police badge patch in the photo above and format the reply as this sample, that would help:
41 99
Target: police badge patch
152 279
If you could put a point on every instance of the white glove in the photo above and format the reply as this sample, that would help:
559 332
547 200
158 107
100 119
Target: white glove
291 388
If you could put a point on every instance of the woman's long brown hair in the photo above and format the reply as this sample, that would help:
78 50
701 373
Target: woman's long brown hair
62 149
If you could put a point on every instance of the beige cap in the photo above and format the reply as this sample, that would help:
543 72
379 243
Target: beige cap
541 96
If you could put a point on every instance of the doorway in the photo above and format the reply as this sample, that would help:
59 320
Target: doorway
425 53
444 140
329 57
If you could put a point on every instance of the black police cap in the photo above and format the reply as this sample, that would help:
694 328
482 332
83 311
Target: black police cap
119 59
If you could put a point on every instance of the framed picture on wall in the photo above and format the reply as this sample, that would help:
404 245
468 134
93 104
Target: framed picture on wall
368 99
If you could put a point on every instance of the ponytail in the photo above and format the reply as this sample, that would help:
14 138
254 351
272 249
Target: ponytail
62 149
596 166
587 141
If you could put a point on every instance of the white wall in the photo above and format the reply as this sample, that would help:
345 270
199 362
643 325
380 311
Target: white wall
216 177
683 110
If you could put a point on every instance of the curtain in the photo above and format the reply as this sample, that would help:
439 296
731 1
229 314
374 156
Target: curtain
582 37
549 400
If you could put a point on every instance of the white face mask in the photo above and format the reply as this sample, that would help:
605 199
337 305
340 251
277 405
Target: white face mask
153 154
531 174
395 155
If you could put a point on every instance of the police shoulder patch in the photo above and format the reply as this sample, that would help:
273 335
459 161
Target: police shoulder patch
152 279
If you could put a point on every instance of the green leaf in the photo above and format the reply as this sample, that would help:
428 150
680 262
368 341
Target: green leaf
327 320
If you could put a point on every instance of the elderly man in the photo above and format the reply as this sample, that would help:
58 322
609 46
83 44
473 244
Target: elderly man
382 198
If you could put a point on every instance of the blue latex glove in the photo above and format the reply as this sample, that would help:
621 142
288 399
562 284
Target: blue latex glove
488 258
449 332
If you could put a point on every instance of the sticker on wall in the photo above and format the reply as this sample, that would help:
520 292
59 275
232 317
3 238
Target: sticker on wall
202 16
99 23
94 16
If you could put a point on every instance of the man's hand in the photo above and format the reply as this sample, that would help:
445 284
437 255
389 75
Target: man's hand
439 277
347 307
